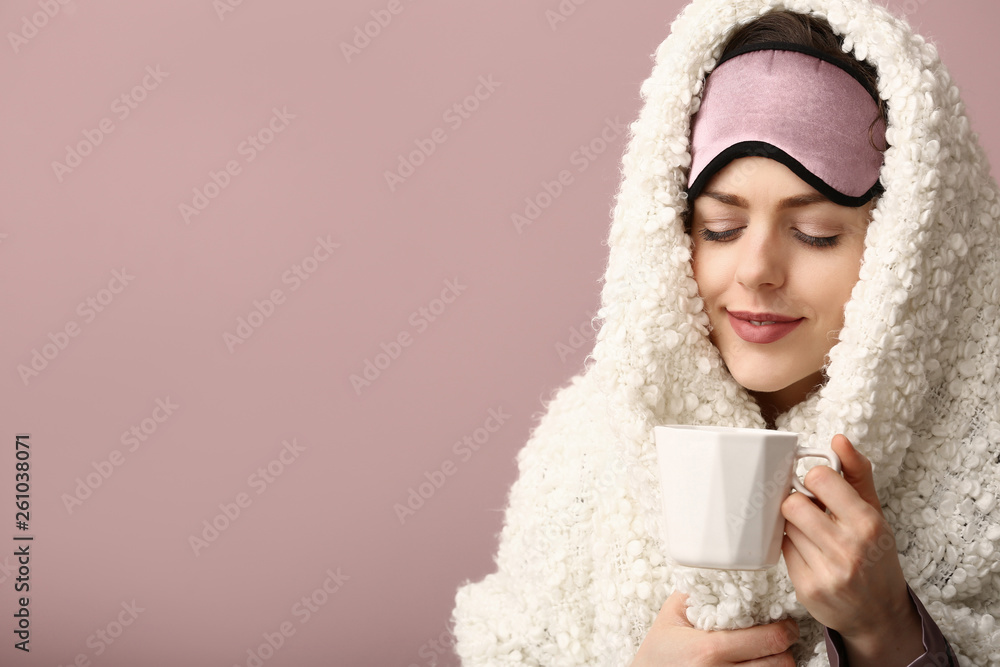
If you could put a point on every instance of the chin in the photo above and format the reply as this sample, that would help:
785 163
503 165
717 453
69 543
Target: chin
763 386
767 381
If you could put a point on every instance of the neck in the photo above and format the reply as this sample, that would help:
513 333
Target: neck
775 403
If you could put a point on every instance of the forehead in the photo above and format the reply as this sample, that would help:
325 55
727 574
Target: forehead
759 183
761 175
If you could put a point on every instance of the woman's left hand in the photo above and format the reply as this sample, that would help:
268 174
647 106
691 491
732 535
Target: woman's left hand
844 564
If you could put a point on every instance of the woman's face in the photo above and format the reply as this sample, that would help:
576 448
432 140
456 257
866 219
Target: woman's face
775 262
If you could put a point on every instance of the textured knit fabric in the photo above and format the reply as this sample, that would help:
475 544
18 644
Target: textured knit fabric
913 383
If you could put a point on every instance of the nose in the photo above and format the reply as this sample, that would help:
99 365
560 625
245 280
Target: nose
762 261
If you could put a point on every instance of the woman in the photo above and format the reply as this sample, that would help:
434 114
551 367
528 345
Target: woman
829 288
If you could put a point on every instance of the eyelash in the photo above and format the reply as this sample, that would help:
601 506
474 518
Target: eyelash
730 234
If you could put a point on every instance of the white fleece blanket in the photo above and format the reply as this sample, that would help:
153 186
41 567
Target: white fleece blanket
913 383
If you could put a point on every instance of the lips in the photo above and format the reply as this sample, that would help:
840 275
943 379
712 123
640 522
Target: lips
762 328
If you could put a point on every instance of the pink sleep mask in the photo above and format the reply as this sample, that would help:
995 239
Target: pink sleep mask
793 104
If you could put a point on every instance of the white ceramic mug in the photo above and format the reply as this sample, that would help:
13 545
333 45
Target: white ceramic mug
722 491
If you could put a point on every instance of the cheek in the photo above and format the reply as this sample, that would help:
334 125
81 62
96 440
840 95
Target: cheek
708 273
834 291
698 268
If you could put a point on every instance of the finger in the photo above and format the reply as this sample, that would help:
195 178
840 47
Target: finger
857 469
836 494
757 642
796 565
807 549
781 660
802 513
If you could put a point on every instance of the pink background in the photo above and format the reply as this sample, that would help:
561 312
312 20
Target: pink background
516 327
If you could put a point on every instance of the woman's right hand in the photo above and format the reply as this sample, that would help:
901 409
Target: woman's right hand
674 641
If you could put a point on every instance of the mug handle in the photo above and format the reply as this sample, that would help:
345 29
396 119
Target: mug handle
803 452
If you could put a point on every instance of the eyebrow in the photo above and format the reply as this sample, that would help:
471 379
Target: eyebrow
788 202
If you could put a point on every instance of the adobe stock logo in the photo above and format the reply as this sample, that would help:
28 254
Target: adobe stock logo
579 336
304 610
223 7
585 155
104 469
30 27
454 116
364 35
434 648
465 449
232 510
562 12
264 310
249 148
88 310
911 7
421 320
102 638
122 106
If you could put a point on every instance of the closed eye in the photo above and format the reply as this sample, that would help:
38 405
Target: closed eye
817 241
731 234
726 235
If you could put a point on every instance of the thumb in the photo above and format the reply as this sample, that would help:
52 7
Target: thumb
857 470
674 609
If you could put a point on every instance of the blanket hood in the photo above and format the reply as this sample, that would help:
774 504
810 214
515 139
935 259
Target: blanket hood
912 381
